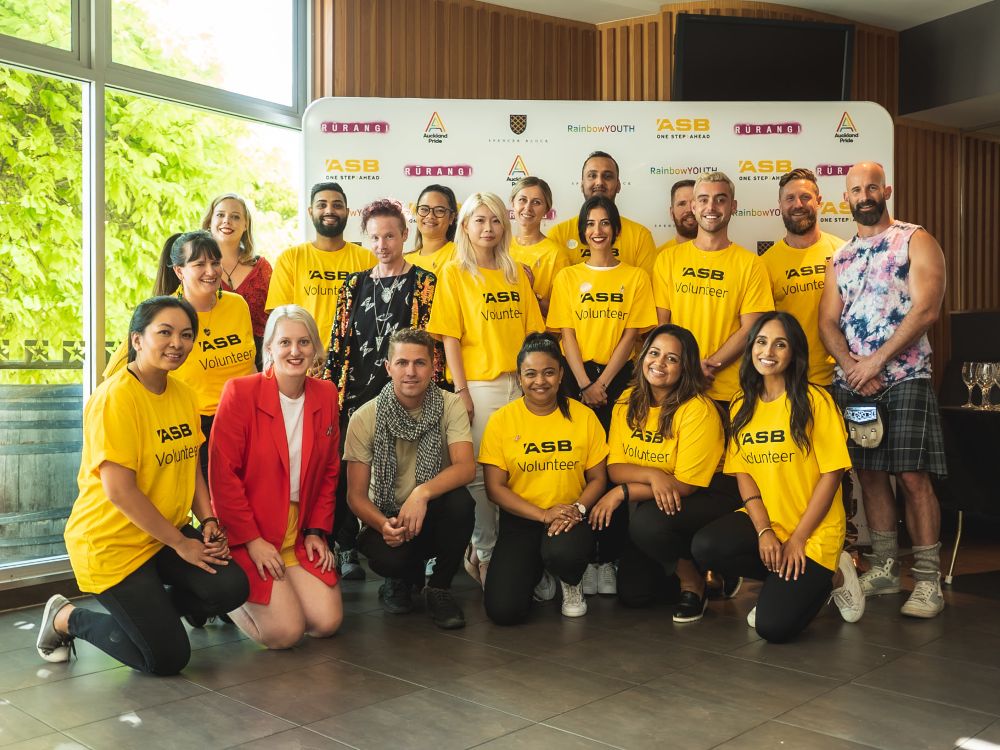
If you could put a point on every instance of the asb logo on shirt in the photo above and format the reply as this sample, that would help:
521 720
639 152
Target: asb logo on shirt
683 127
353 169
435 132
646 436
220 342
518 170
174 432
762 436
354 127
704 273
847 131
763 169
549 446
767 128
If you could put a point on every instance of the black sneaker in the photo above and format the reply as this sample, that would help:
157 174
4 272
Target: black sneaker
731 587
395 596
348 565
690 608
443 608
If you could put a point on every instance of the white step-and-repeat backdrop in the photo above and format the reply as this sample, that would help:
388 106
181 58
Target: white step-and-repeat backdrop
394 147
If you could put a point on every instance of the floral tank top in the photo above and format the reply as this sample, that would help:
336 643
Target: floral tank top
873 281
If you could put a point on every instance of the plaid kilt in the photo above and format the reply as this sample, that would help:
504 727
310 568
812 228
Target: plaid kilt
913 440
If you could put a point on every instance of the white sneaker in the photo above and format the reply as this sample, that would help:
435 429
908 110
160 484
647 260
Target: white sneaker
52 645
926 600
589 581
573 603
848 597
545 589
607 578
881 579
752 618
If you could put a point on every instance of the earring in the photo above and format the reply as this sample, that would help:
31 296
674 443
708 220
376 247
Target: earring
218 293
180 292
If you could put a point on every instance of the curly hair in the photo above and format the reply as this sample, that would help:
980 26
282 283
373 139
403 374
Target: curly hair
383 207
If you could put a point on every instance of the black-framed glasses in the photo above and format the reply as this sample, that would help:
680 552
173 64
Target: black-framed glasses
439 211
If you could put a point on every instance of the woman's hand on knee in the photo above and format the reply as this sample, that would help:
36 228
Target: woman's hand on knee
603 509
319 551
194 552
793 558
266 558
770 550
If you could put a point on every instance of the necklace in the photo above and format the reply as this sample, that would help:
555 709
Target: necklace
386 293
229 274
208 323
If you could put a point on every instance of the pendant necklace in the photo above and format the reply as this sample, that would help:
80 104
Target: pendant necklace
387 294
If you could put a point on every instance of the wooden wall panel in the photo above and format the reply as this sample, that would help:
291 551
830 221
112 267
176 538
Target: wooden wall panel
449 49
979 274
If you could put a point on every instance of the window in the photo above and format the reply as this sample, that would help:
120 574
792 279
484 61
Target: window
48 22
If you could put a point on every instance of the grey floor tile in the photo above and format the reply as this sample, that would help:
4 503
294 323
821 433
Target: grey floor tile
228 664
294 739
533 689
988 739
15 725
773 734
96 696
882 629
757 689
312 693
213 634
25 668
828 657
206 721
427 719
642 718
53 741
886 720
719 634
541 736
934 678
19 629
968 644
539 635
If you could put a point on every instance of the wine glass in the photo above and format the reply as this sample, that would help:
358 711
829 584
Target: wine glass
969 378
996 380
984 379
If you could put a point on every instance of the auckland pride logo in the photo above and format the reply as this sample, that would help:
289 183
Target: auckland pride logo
435 132
518 170
380 127
847 131
767 128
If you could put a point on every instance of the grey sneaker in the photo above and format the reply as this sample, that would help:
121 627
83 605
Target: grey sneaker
881 579
52 645
607 578
573 603
545 589
589 581
926 600
350 568
848 597
752 618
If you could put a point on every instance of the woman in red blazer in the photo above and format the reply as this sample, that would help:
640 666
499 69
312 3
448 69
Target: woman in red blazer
273 467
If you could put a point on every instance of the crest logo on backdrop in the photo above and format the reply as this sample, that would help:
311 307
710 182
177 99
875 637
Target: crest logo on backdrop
518 124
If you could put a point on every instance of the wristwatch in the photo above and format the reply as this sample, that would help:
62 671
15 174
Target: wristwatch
582 508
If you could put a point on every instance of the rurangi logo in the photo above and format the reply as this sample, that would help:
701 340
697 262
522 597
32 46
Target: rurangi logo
380 127
439 170
435 132
518 124
847 131
518 170
683 127
767 128
832 170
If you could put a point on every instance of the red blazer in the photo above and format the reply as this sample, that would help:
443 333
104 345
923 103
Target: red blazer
248 469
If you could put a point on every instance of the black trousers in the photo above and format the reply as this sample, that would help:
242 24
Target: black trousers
444 535
206 430
523 551
143 629
729 546
345 523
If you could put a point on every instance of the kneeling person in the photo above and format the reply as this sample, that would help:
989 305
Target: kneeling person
409 457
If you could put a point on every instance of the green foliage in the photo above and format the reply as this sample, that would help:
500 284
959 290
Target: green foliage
163 164
45 21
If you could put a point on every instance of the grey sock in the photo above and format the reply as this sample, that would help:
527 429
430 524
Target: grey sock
884 546
927 562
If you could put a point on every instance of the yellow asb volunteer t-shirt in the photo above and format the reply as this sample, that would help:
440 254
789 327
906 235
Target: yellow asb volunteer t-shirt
155 435
223 349
764 449
706 292
599 304
544 457
693 451
545 259
672 242
432 262
307 276
488 315
797 278
634 245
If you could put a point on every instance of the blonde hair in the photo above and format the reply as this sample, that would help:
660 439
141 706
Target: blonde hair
465 254
246 255
299 315
715 177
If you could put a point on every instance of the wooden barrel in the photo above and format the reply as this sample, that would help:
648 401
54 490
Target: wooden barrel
41 436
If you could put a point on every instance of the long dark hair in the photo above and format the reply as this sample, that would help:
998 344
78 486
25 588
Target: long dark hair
449 196
796 380
202 243
148 309
599 201
546 343
692 382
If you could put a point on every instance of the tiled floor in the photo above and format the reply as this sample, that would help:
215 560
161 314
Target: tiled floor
615 678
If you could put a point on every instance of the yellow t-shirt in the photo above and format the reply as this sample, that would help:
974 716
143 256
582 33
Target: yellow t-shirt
307 276
693 451
545 457
599 304
706 292
432 262
223 349
672 242
545 259
489 316
634 245
157 437
797 278
786 477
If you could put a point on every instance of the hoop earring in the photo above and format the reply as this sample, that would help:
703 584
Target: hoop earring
269 372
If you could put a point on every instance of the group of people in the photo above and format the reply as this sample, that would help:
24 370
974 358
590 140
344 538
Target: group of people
567 414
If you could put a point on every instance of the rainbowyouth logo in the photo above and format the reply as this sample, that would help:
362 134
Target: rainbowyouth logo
847 131
354 127
435 132
832 170
518 170
767 128
518 124
437 170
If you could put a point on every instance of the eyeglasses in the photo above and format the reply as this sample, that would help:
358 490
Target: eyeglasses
439 211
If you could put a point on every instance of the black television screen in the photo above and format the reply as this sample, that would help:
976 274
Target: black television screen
726 58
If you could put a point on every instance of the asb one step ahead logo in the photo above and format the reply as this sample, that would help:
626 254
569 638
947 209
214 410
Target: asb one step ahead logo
683 128
757 170
435 132
352 169
377 127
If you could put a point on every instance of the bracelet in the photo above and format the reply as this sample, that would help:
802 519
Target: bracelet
208 519
762 531
752 497
463 388
314 532
624 492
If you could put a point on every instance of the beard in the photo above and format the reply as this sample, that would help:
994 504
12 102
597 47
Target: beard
329 230
686 226
800 224
868 219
